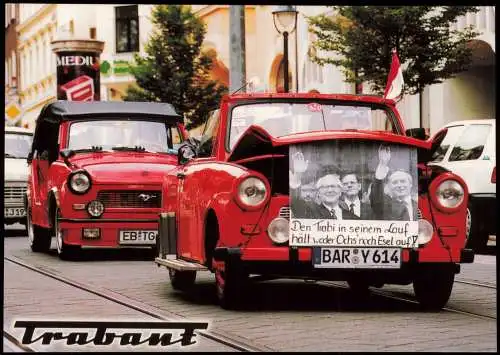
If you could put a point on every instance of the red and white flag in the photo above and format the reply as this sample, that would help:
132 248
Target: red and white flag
395 81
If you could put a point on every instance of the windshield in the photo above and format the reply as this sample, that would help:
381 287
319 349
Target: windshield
152 136
17 145
284 118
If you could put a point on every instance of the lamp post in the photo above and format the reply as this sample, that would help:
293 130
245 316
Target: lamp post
285 20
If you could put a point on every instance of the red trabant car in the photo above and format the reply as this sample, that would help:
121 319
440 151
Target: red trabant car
96 171
312 186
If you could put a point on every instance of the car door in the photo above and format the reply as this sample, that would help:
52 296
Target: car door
191 193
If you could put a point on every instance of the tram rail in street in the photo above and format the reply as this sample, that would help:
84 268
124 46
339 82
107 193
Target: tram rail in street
224 338
474 283
389 294
231 341
13 345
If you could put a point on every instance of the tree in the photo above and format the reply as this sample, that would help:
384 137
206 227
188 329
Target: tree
174 69
362 38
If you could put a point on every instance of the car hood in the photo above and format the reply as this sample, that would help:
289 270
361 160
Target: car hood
16 169
125 168
256 141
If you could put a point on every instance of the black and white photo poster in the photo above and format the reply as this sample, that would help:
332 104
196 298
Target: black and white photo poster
353 193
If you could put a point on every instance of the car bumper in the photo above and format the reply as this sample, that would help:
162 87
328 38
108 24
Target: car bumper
483 207
296 262
73 232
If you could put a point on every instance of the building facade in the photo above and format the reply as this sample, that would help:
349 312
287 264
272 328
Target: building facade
125 29
469 95
13 112
39 25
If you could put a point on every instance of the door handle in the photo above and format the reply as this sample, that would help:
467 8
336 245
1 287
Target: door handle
181 175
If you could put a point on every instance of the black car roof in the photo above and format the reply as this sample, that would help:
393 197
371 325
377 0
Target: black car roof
70 110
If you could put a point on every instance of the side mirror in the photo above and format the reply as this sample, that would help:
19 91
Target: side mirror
66 154
418 133
185 154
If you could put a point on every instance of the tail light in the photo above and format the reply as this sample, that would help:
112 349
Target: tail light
494 175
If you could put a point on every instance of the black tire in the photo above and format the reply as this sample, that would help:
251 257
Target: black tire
230 286
65 251
478 234
433 285
39 238
181 280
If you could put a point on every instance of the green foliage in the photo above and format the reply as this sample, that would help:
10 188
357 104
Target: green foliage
361 39
174 69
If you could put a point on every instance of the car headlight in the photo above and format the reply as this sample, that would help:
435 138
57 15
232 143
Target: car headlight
450 193
279 230
79 182
252 192
95 208
425 231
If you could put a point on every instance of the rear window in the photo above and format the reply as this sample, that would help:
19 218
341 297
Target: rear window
451 136
470 144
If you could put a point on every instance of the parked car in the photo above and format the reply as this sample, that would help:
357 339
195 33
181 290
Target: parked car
17 146
235 206
96 172
469 150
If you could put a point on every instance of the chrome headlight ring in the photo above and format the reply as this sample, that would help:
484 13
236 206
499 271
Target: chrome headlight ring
79 182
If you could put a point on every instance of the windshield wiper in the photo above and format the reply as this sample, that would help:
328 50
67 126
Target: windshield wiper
7 155
136 148
94 148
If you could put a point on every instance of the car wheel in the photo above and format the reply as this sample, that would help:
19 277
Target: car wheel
433 285
181 280
39 238
230 283
476 235
65 251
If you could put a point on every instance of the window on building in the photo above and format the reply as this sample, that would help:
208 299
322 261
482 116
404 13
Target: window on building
93 33
127 28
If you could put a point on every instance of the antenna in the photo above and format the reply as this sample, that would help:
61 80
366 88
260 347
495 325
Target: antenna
252 83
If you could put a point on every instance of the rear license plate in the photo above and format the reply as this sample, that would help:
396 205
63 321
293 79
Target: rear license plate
357 258
14 212
135 237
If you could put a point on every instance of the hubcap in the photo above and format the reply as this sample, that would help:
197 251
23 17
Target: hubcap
219 283
58 232
468 223
29 225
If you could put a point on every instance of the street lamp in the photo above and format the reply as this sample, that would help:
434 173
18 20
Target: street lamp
285 20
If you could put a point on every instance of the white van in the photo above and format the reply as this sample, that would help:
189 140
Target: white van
17 146
469 150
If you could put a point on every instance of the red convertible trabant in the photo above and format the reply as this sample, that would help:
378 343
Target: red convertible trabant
96 170
312 186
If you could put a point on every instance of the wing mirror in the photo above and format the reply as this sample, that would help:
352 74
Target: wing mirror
185 153
418 133
66 154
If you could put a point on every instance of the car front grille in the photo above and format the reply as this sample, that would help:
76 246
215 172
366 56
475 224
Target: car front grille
14 192
130 199
285 212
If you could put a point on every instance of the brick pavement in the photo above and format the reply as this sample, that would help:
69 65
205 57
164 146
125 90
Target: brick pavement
290 315
32 296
